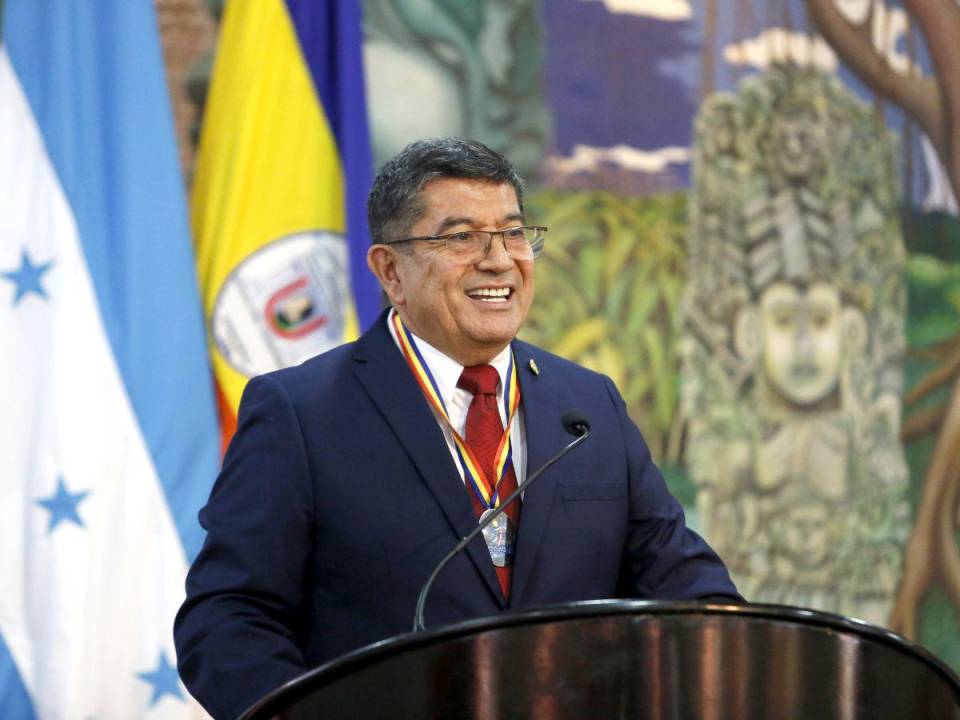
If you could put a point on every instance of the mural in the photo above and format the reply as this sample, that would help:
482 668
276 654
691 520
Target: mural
793 344
931 99
830 451
608 297
754 232
448 67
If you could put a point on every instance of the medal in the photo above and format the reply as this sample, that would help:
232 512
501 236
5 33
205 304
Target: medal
501 538
500 535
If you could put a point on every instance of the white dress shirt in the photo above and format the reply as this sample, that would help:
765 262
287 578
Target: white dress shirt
446 372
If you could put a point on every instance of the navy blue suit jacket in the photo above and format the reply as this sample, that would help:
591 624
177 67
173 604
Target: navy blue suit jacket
338 495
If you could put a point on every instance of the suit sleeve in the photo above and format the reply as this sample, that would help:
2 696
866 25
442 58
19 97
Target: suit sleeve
663 558
236 634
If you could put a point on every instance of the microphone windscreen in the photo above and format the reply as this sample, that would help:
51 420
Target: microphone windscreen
575 422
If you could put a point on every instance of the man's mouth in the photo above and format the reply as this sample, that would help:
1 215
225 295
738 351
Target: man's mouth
490 295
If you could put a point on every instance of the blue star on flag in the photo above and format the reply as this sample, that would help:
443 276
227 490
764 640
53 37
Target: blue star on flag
27 277
164 679
63 505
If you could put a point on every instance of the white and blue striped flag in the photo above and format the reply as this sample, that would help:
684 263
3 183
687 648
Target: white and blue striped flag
108 435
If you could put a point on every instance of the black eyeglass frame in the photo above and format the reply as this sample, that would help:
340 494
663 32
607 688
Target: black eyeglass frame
541 229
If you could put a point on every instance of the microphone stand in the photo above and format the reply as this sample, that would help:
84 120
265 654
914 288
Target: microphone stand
579 426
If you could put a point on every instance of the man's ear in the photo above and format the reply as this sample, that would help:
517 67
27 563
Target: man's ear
383 261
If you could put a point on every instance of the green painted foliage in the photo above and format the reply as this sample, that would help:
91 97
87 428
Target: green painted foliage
939 628
608 297
933 319
934 300
468 15
933 307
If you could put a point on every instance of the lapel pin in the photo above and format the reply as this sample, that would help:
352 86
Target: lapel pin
533 367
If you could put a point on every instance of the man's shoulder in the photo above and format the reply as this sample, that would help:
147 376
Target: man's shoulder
330 366
544 361
336 364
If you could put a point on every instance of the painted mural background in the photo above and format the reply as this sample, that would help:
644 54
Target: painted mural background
754 232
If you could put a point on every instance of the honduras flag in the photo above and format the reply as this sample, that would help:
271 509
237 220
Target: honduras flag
108 436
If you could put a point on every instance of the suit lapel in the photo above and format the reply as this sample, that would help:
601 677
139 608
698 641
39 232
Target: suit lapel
385 376
545 437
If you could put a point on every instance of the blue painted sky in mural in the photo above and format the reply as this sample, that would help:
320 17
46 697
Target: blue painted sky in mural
628 78
609 78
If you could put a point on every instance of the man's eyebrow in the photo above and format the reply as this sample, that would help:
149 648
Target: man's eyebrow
450 222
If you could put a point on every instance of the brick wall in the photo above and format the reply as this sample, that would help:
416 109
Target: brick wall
187 32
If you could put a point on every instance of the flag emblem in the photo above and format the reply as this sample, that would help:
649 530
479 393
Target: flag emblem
280 188
283 303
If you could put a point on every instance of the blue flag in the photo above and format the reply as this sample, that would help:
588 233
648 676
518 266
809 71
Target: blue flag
108 433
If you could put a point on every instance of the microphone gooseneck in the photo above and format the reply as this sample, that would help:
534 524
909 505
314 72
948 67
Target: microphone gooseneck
574 422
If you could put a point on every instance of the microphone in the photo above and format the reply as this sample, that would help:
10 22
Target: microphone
575 423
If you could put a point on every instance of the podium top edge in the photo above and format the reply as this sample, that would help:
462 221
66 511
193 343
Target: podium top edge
652 609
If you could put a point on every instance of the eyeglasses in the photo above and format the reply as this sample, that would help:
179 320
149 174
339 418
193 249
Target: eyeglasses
472 246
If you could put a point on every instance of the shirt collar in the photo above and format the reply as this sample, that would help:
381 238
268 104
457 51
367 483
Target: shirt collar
445 370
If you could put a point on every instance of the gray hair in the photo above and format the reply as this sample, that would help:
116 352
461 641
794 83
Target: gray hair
394 204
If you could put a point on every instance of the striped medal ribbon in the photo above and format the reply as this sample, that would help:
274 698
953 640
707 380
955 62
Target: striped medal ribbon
487 491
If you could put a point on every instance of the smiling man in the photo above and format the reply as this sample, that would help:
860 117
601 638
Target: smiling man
352 475
455 285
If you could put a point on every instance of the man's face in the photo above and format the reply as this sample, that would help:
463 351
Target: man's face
448 303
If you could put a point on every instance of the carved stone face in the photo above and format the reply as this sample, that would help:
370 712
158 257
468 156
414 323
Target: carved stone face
802 343
797 140
804 534
722 136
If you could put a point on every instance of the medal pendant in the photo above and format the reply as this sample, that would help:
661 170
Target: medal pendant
501 539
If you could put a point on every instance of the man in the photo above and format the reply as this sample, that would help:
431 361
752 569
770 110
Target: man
351 475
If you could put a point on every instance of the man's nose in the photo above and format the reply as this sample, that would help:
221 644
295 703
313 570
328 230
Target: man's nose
497 257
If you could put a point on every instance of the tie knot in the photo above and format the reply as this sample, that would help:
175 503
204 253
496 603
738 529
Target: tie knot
479 380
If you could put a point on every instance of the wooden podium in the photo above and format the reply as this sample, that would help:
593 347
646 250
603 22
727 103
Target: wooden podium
643 660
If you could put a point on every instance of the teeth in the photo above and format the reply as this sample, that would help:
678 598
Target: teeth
490 293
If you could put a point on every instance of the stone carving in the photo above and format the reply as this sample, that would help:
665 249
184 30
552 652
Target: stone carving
793 342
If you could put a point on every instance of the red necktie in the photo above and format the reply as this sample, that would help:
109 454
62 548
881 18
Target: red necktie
483 433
